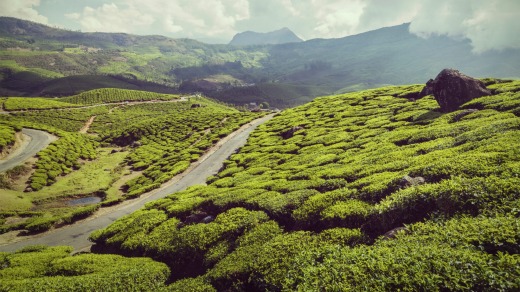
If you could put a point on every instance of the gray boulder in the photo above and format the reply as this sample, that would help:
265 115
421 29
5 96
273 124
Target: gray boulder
408 181
451 89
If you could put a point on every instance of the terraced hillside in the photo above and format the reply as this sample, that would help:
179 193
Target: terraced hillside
113 145
314 199
362 191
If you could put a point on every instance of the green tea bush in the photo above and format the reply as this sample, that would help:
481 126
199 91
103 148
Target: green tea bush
34 103
61 157
368 190
53 269
40 223
110 95
6 136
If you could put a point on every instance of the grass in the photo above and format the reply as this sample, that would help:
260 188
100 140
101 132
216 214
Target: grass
93 176
14 201
48 205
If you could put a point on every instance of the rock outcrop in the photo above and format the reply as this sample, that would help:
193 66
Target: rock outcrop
408 181
290 133
451 89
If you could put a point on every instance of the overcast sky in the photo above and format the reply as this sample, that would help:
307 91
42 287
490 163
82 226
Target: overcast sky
489 24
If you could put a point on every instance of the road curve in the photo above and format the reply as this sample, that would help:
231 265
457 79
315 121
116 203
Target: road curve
38 141
76 235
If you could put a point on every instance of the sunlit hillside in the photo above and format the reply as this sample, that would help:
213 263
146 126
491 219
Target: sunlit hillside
362 191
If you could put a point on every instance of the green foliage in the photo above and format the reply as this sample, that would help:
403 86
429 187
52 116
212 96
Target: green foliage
169 143
61 157
40 224
112 95
80 213
361 191
53 269
191 284
6 136
69 120
34 103
460 254
186 248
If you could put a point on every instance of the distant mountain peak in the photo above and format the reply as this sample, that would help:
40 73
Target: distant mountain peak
281 36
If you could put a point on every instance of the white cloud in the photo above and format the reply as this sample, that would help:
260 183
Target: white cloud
382 13
24 9
489 25
192 18
73 16
112 18
335 19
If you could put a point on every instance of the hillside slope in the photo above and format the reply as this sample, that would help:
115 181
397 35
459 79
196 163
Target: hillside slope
34 58
367 190
113 145
390 55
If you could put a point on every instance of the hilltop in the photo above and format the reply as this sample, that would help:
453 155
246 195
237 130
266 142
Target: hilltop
250 38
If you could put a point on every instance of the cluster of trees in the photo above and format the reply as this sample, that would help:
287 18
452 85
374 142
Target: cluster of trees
358 191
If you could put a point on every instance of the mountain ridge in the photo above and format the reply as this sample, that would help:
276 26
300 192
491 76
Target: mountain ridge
250 38
386 56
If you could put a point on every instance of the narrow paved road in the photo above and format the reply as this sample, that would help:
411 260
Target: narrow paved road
76 235
38 141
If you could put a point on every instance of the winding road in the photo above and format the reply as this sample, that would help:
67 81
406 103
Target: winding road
76 235
37 141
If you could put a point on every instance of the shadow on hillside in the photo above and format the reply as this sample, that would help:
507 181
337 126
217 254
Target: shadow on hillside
428 117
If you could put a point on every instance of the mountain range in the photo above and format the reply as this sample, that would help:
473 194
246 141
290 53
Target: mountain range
34 57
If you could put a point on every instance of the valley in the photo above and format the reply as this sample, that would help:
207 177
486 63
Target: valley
37 60
119 156
76 235
147 163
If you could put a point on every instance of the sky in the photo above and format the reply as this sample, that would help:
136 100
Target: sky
488 24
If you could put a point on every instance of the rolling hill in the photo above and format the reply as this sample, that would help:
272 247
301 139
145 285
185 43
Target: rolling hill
363 191
385 56
114 144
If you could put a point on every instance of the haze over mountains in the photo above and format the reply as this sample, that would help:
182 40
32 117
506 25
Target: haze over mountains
285 74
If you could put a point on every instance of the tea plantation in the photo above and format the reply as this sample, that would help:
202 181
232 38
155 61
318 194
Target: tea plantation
366 191
135 142
361 191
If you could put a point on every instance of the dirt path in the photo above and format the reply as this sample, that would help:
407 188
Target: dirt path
87 125
76 235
